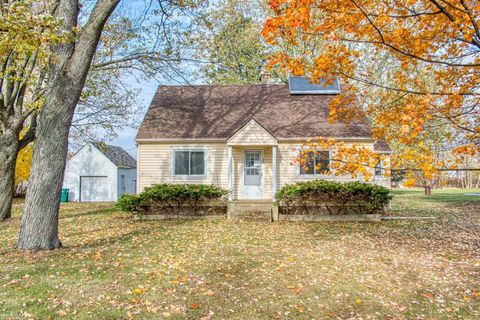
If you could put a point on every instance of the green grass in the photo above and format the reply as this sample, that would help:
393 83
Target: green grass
438 196
112 267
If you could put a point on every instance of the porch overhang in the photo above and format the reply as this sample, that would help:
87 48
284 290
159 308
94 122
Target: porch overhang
252 144
252 134
245 148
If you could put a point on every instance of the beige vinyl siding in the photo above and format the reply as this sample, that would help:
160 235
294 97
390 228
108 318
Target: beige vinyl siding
252 134
154 164
288 171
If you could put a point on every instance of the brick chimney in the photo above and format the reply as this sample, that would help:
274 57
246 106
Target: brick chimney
267 78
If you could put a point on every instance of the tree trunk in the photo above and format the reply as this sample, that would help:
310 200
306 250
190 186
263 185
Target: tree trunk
428 190
39 228
9 148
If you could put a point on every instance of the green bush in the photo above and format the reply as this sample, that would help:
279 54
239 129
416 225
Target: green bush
129 202
170 198
324 193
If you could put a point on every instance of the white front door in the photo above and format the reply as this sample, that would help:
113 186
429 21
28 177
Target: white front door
252 175
94 189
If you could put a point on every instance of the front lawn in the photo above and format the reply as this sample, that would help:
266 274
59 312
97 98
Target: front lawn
112 267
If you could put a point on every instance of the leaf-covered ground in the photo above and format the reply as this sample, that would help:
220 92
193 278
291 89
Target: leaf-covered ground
114 268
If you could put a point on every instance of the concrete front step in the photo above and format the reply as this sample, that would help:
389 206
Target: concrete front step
252 201
244 210
252 217
248 210
251 214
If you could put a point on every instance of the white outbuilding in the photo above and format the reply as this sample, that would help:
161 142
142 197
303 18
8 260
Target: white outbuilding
100 172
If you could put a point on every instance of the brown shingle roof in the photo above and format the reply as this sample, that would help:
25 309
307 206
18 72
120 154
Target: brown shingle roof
182 112
117 155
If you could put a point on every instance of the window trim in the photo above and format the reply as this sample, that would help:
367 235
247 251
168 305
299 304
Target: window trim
190 149
380 167
299 172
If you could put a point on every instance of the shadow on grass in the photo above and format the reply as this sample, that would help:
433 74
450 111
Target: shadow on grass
407 191
109 240
448 196
144 229
457 198
75 214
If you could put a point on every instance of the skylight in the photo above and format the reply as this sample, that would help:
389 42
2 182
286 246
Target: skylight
301 85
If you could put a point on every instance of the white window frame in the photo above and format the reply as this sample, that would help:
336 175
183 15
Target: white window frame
382 169
197 149
314 175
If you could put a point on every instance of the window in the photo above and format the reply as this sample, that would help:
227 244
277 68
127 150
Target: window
189 162
379 169
316 162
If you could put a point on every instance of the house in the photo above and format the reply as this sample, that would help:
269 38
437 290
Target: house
244 138
100 172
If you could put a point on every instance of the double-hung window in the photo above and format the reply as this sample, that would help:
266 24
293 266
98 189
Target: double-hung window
189 162
314 162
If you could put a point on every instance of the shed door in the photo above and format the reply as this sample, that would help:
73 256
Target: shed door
94 189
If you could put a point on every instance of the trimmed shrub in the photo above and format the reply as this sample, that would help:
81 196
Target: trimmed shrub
128 202
368 198
175 199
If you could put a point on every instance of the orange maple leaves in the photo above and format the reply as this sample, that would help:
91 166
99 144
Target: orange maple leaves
355 160
414 63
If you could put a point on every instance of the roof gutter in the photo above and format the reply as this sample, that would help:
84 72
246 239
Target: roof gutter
195 140
166 140
362 139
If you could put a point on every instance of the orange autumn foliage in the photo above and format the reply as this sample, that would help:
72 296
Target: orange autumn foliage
416 61
356 160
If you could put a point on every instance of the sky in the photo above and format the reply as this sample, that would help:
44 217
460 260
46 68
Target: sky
126 137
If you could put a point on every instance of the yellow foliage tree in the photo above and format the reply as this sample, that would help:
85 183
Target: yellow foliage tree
22 168
28 32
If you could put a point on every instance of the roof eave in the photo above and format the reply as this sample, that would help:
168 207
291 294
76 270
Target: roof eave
280 139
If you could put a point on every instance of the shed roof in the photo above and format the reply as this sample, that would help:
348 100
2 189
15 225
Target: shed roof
218 111
117 155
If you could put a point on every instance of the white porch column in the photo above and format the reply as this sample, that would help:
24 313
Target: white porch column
230 169
274 171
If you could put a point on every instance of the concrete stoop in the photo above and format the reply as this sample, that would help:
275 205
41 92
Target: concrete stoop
251 210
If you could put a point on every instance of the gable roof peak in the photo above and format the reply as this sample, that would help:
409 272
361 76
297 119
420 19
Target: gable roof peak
253 132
